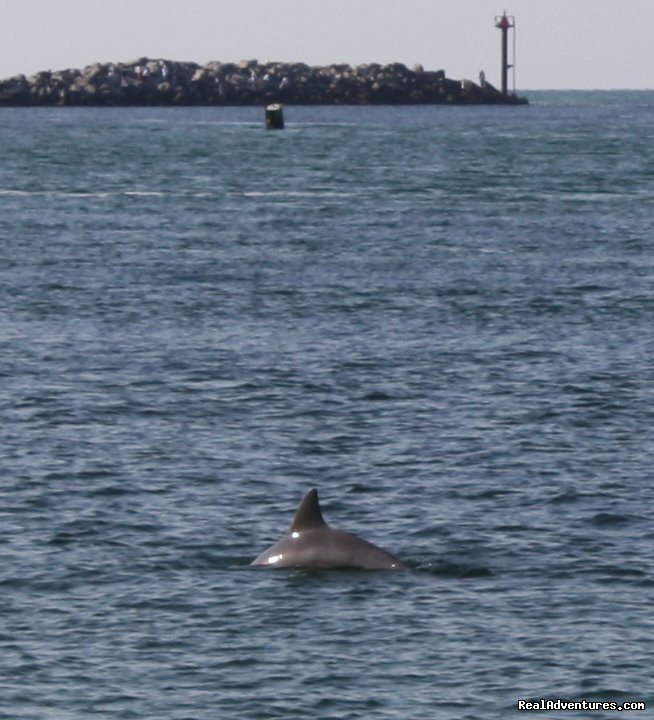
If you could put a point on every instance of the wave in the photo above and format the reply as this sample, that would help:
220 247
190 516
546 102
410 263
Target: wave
104 194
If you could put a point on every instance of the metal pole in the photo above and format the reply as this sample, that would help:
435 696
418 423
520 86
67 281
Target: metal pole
504 23
513 58
505 59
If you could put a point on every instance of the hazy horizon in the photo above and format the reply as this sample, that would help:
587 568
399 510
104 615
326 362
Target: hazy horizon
561 44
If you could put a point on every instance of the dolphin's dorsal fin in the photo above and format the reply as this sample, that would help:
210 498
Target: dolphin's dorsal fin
308 515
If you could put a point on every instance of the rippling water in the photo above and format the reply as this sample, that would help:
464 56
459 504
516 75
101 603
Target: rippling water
443 318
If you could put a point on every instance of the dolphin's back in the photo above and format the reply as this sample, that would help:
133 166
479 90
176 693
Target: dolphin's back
327 548
310 542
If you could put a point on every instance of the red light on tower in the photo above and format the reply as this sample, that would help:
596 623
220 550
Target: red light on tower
505 23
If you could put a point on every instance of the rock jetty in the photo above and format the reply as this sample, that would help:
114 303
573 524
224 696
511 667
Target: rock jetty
164 82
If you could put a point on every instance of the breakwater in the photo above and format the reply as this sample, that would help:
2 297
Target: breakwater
165 82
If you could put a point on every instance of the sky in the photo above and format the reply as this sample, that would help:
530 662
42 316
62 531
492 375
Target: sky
560 44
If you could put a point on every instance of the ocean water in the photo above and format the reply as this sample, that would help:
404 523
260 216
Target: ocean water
443 318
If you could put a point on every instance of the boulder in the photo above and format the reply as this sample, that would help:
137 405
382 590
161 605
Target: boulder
146 81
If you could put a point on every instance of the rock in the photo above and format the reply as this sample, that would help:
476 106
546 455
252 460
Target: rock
15 91
165 82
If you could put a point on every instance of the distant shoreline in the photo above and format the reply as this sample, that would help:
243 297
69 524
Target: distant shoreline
148 82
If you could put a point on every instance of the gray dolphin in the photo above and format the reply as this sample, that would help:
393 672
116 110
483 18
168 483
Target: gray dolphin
311 543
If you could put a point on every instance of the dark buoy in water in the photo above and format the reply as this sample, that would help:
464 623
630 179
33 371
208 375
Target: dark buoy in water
274 117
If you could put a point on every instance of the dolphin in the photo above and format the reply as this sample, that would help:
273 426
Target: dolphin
311 543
